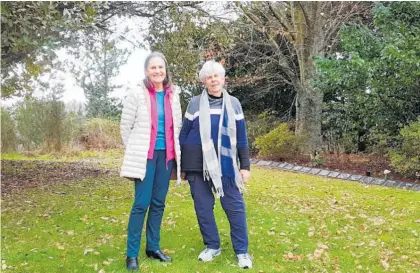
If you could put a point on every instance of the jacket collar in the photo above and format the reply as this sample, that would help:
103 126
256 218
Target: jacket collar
169 90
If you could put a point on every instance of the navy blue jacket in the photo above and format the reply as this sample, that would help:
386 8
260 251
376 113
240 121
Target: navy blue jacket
189 137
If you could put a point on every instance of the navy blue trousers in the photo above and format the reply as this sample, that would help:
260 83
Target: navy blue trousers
232 203
150 194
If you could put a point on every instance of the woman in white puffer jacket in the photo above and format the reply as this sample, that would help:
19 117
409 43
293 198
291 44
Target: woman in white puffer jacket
150 125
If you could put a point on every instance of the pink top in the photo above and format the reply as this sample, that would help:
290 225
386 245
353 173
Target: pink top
169 124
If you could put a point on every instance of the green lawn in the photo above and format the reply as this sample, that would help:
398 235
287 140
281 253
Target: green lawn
297 223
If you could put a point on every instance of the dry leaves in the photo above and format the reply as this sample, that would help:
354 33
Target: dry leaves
69 232
87 250
168 251
59 246
292 257
385 264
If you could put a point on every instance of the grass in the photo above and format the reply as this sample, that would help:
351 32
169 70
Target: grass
110 158
296 222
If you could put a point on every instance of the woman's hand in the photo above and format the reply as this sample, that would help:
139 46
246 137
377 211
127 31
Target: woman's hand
245 175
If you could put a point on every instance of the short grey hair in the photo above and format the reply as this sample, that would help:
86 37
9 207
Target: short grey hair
211 67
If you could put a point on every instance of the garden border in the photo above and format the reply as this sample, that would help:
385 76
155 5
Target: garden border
284 166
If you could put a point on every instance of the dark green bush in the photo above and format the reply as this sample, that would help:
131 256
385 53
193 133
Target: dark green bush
405 158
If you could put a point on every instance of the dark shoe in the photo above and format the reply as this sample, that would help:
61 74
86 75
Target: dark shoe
132 263
158 255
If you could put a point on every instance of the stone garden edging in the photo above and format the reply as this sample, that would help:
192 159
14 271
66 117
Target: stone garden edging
284 166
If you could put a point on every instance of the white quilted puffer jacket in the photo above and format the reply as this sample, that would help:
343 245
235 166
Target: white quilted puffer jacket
136 129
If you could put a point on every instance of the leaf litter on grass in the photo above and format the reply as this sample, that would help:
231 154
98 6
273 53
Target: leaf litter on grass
332 227
17 175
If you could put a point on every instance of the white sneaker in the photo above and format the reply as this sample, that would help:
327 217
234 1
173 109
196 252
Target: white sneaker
208 254
244 261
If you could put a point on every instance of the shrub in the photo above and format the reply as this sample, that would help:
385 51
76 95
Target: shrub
279 143
30 124
8 132
54 125
405 158
348 142
101 134
44 125
73 129
379 143
264 123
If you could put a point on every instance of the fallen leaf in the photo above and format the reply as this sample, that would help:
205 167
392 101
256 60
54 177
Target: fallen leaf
348 216
60 247
322 246
404 258
318 253
385 264
378 221
168 251
69 232
292 257
87 250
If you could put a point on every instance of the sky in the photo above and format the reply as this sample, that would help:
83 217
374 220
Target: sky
129 76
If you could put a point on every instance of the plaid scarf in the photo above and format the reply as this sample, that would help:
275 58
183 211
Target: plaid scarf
215 165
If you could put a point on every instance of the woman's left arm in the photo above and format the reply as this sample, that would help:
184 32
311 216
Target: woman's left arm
242 144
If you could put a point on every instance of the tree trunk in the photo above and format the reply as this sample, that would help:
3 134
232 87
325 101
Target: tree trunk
308 118
307 28
309 40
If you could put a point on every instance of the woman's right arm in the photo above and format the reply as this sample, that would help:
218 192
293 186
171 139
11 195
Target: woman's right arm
128 116
186 126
